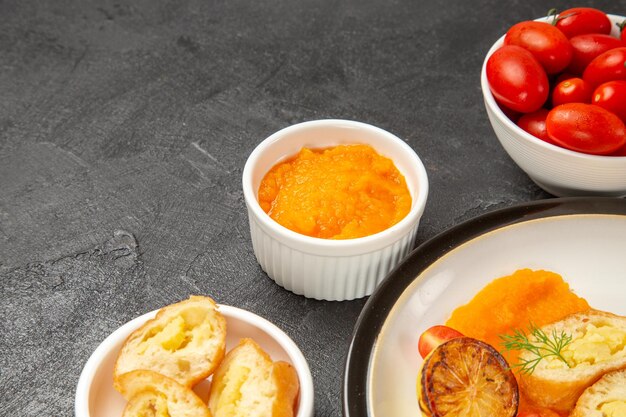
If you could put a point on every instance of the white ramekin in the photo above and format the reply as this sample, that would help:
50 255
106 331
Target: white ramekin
321 268
557 170
95 396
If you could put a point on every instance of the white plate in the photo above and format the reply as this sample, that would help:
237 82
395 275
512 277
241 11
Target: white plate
95 396
584 240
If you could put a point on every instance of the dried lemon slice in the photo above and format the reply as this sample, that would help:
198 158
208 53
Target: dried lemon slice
465 377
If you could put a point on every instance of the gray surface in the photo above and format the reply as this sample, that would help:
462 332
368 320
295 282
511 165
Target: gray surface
124 129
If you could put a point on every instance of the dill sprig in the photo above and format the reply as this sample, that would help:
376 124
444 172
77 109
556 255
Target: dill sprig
539 343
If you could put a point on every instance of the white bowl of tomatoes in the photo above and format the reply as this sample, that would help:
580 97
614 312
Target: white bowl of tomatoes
555 95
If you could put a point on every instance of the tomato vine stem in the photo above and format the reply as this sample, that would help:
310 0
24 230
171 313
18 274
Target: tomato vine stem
553 13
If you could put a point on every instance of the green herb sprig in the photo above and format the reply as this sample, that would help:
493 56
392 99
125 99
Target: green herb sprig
539 343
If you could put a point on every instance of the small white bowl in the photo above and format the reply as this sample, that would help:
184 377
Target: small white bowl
95 396
557 170
328 269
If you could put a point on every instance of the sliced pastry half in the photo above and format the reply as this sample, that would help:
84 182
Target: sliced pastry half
150 394
185 342
249 384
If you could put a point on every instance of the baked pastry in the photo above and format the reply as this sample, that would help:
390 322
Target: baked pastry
185 342
607 397
598 346
248 384
151 394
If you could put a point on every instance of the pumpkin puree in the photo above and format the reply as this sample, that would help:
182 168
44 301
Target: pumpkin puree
513 302
343 192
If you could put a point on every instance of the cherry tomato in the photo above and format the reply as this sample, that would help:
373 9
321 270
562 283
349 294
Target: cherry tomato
529 414
535 124
574 90
544 412
435 336
622 28
564 76
612 97
516 79
620 152
511 114
548 44
609 66
587 47
586 128
581 20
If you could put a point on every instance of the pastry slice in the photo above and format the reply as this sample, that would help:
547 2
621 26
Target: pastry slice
598 346
248 384
605 398
185 342
150 394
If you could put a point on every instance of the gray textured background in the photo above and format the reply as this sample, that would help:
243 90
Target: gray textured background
124 128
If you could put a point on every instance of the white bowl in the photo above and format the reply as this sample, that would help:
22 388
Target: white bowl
95 396
322 268
557 170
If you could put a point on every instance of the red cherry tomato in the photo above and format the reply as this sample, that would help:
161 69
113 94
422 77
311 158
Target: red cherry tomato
620 152
612 97
586 128
548 44
563 76
529 414
622 28
435 336
609 66
574 90
516 79
535 124
511 114
587 47
581 20
544 412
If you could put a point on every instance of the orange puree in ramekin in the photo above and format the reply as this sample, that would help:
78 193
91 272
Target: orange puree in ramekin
343 192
